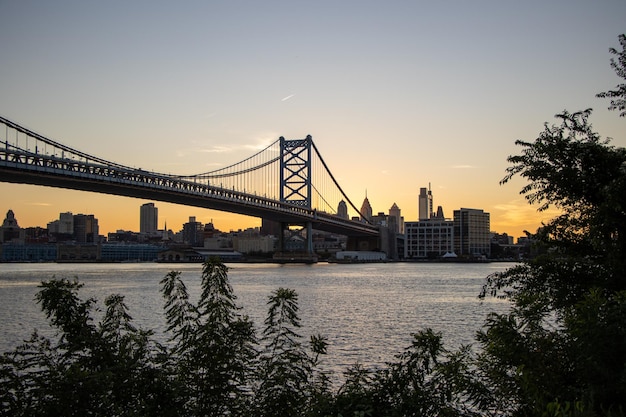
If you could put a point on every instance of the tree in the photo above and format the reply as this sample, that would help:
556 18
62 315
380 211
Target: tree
564 340
286 370
109 369
426 380
215 344
211 367
619 65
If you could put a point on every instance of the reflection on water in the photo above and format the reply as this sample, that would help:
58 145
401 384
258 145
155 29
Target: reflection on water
367 311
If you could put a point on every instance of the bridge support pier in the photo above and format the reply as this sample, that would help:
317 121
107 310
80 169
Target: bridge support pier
291 242
385 242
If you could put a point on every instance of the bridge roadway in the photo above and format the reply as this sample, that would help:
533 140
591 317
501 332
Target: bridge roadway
24 167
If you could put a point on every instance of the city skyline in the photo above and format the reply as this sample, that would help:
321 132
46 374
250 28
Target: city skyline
395 95
148 222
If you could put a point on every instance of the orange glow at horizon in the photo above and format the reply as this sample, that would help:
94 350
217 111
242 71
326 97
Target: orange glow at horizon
38 205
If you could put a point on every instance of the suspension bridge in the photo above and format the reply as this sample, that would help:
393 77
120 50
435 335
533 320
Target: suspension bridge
287 182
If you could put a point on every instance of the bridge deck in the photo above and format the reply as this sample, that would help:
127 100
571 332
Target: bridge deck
36 169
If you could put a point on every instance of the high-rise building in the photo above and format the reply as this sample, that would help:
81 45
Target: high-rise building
431 236
366 210
396 221
148 219
193 232
342 210
63 228
86 228
425 203
472 236
66 223
439 215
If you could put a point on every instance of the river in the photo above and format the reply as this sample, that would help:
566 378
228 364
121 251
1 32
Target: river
367 311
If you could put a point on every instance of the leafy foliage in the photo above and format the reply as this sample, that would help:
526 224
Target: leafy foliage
286 369
110 369
215 344
561 350
210 367
619 65
564 340
425 380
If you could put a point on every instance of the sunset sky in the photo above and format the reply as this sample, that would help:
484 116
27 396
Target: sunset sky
396 94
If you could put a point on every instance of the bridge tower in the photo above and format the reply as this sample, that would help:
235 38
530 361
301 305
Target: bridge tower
295 171
295 188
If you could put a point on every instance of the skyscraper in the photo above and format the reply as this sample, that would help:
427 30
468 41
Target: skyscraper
193 232
86 228
66 223
148 219
396 221
342 210
425 203
366 210
63 228
472 235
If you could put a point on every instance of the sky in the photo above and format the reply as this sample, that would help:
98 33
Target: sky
397 95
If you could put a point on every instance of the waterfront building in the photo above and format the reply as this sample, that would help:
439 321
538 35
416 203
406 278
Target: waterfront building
324 242
187 254
217 242
430 238
72 252
148 219
180 254
34 252
472 236
253 244
133 252
360 256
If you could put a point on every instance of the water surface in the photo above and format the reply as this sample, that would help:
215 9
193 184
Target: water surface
367 311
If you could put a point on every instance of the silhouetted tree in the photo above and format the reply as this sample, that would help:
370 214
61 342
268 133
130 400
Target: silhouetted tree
619 65
563 344
215 344
109 369
286 371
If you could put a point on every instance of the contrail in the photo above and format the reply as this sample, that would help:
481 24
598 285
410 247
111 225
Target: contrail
288 97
